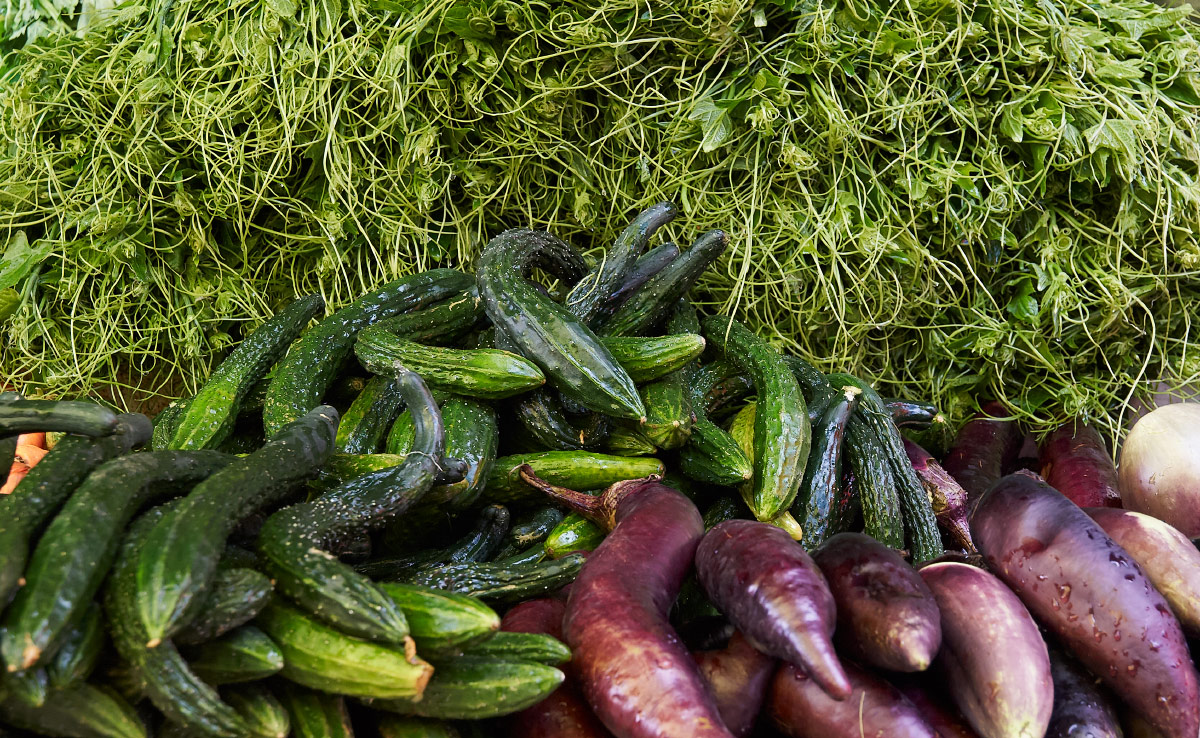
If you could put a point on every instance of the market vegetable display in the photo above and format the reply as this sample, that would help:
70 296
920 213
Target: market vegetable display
449 572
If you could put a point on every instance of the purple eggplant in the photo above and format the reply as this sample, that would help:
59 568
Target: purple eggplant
1082 708
948 497
737 676
1075 461
773 592
993 659
1167 556
875 709
1091 594
935 707
983 450
632 667
886 616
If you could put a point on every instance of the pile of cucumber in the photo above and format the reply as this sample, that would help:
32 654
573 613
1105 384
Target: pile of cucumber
323 536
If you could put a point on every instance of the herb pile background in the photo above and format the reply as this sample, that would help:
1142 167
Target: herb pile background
963 199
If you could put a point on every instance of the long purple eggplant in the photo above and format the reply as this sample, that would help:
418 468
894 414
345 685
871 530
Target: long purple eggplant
737 676
1167 556
993 659
632 667
948 497
927 696
983 450
875 709
1081 707
773 592
1092 595
1075 461
886 616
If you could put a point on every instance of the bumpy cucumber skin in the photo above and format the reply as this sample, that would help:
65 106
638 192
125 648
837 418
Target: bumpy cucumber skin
574 533
882 519
208 417
177 564
49 484
819 394
262 711
235 597
309 368
511 646
547 422
242 655
467 688
80 650
626 441
571 469
315 714
711 455
442 621
530 531
819 507
68 416
648 264
79 711
365 423
441 323
72 558
669 417
567 351
396 726
648 359
501 582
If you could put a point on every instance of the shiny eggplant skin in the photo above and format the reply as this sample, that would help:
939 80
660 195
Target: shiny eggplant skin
928 695
1075 461
1082 708
948 497
875 709
1092 595
737 676
983 451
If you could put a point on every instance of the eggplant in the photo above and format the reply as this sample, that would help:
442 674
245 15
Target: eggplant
737 676
933 705
875 709
1093 596
1082 708
993 659
948 497
983 450
1075 461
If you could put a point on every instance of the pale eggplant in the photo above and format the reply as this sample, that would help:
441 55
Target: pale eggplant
737 677
875 709
983 451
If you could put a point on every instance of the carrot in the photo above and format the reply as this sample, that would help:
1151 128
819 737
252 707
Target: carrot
27 456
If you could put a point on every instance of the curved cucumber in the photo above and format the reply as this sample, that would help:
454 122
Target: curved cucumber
235 597
80 650
263 712
501 582
365 423
466 688
315 714
571 469
209 416
441 620
822 508
242 655
511 646
530 531
647 359
711 455
69 416
441 322
626 441
648 264
477 545
81 711
874 484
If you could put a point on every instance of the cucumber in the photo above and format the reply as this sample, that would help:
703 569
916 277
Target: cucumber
724 508
48 485
294 539
530 531
177 564
647 359
656 299
506 646
320 657
442 621
304 375
874 484
72 558
574 533
648 264
364 424
166 422
570 355
441 322
490 374
782 433
466 688
244 654
571 469
396 726
315 714
234 598
907 414
161 672
80 650
711 455
401 435
341 468
593 292
69 416
819 394
625 441
81 711
209 416
261 710
669 417
821 508
477 545
500 582
550 426
28 687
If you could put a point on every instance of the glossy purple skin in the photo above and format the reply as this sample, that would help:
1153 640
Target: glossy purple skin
1081 707
947 495
774 593
1092 595
737 676
993 660
886 616
927 696
983 451
632 667
875 709
1075 461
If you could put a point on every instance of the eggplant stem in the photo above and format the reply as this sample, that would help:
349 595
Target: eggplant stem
601 509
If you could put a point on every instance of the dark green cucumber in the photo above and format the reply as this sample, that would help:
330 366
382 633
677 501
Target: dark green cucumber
595 290
924 540
782 433
654 301
529 531
574 533
669 418
400 436
499 582
570 355
320 657
234 598
397 726
440 323
550 426
72 558
466 688
647 359
304 375
244 654
315 714
490 374
262 711
166 422
625 441
80 650
477 545
880 501
177 564
570 469
533 555
507 646
81 711
170 684
711 455
648 264
908 414
821 507
209 415
28 687
365 423
442 621
819 394
724 508
48 485
68 416
294 540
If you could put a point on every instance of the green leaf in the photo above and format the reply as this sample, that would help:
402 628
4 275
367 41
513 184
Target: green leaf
1023 305
715 124
20 258
1012 123
1118 135
9 301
